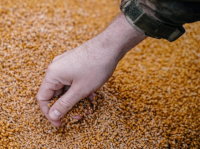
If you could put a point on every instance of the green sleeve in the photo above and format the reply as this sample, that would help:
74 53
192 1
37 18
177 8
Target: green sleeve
161 18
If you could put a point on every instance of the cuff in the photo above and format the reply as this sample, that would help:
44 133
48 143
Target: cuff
147 24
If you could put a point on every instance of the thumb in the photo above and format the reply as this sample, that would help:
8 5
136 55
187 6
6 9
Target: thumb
65 103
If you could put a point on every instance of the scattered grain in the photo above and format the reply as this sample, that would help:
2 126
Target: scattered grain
151 101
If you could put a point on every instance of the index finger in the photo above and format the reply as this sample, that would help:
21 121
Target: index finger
45 94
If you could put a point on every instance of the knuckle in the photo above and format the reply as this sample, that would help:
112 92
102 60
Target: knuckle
50 68
38 97
55 58
64 104
40 100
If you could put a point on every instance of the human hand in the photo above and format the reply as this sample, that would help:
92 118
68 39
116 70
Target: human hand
86 68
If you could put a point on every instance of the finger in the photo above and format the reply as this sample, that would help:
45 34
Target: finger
45 93
57 58
43 96
66 88
77 117
58 92
91 97
65 103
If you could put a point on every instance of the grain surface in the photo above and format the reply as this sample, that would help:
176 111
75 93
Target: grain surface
151 101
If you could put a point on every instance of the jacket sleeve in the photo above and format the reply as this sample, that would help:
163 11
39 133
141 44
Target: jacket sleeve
161 18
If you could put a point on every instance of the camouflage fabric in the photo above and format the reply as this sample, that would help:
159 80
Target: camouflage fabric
161 18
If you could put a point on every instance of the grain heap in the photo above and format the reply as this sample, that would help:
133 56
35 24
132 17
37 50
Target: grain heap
151 101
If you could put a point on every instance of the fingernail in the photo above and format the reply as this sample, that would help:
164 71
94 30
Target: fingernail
55 115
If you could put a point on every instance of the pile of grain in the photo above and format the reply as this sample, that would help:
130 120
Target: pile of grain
151 101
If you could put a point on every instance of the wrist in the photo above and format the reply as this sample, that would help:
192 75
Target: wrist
119 37
113 43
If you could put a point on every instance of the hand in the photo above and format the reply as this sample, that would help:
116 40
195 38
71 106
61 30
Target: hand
86 68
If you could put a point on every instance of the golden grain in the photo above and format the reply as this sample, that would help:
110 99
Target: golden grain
151 101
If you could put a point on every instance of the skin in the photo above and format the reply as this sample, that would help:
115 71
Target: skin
86 68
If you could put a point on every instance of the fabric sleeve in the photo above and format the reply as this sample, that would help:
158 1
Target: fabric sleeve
161 18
